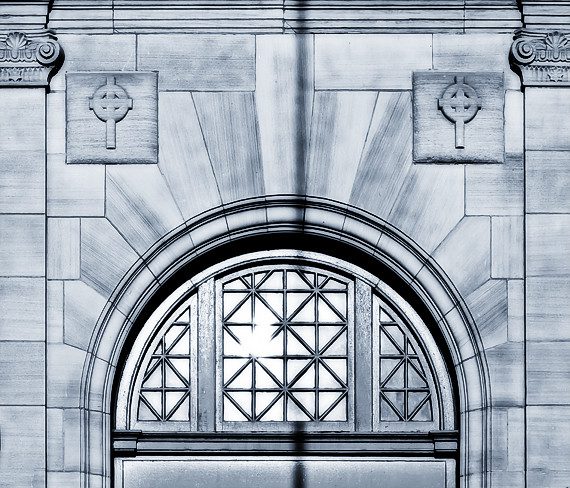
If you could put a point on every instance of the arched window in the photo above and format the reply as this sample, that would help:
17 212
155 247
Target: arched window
289 352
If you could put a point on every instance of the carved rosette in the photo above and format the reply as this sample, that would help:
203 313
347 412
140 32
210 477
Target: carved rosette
542 58
27 59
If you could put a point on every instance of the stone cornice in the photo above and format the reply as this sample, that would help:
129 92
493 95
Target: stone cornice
543 58
27 59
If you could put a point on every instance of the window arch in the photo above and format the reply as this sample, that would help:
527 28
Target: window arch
268 341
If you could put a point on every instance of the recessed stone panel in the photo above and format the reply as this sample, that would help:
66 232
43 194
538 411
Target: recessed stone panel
458 117
112 118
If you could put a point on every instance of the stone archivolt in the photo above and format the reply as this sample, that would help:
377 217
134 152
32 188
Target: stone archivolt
27 59
543 58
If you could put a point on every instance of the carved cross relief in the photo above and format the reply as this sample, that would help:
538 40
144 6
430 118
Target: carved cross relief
460 104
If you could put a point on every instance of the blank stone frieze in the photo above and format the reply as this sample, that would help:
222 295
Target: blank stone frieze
458 117
112 118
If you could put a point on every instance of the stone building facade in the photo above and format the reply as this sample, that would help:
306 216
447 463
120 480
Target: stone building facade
403 166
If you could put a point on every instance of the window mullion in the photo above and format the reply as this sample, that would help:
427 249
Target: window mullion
206 374
364 356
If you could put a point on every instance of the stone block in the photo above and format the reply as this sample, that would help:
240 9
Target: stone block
22 463
495 189
370 62
507 373
475 52
22 181
546 121
507 247
64 370
55 429
54 311
465 254
548 370
22 251
514 122
199 62
22 119
82 306
547 181
63 236
140 205
548 308
387 155
442 136
516 310
183 158
55 127
548 245
429 204
63 479
339 128
284 92
127 132
516 439
75 190
229 125
489 307
105 255
22 309
22 373
88 52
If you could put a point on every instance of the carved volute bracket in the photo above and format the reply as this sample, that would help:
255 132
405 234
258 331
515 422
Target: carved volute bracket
27 59
543 58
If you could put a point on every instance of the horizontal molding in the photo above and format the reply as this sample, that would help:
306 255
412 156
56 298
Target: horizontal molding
284 16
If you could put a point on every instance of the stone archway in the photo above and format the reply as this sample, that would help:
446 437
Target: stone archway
286 216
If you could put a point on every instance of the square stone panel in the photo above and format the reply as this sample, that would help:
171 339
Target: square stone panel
112 117
437 138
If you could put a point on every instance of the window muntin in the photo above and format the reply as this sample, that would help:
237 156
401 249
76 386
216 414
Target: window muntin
286 346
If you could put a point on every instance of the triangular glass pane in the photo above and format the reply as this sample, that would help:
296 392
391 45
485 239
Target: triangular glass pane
387 413
310 277
263 315
159 348
273 365
338 366
410 348
258 277
182 412
295 347
386 368
294 413
415 380
145 413
155 378
416 363
247 279
339 347
154 398
396 398
338 301
231 301
242 380
424 414
182 345
231 413
396 334
173 335
388 346
306 380
264 380
182 365
263 399
242 398
275 302
320 279
242 315
231 366
184 316
273 282
396 379
338 413
172 380
333 284
326 314
306 313
415 398
385 317
275 413
294 366
236 284
231 346
326 399
326 333
295 282
172 398
306 399
307 333
327 380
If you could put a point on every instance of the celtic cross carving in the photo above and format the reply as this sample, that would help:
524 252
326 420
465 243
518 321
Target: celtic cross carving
110 103
460 104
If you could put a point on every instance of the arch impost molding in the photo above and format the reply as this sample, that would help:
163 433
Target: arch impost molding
279 216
